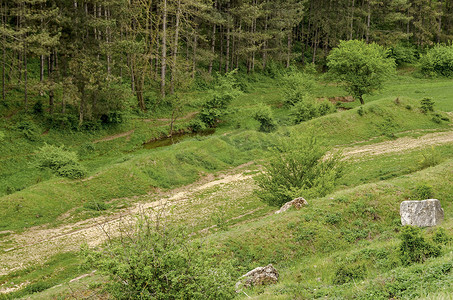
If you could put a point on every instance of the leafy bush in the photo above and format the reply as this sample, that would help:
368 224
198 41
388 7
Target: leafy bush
304 110
159 262
60 161
423 191
348 273
266 119
403 54
414 248
441 237
298 168
426 105
430 158
438 61
297 86
29 130
2 136
326 107
222 95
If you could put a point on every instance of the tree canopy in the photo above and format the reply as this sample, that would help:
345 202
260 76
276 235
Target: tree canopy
360 67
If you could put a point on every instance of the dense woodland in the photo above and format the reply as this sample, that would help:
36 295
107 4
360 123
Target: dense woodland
91 55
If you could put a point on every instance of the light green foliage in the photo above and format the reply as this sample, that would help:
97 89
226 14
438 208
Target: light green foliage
427 105
29 130
263 114
361 68
222 95
304 110
2 136
157 261
63 162
299 168
297 86
438 61
414 248
430 158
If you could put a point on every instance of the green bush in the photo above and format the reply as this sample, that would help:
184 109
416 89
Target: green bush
441 237
62 162
423 191
216 106
414 248
348 273
430 158
427 105
297 86
403 54
304 110
298 168
438 61
264 115
29 130
157 261
326 107
2 136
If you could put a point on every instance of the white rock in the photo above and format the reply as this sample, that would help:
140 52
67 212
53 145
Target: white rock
296 203
425 213
258 276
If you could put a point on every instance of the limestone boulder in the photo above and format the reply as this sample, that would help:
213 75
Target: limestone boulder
425 213
258 276
297 203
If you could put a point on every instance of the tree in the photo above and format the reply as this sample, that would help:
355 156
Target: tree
360 67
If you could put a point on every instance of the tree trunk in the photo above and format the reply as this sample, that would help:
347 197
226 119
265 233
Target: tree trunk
288 55
25 76
175 49
194 55
164 50
361 100
211 61
368 23
352 19
4 54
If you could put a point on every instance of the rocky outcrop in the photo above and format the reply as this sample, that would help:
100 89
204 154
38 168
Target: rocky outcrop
258 276
425 213
297 203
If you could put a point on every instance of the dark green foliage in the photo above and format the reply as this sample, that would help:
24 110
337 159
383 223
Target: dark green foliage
348 273
298 168
326 107
29 130
216 107
423 191
403 54
62 162
438 61
160 262
441 237
427 105
94 205
414 248
264 115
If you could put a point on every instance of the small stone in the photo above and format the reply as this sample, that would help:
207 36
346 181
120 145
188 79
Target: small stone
258 276
425 213
297 203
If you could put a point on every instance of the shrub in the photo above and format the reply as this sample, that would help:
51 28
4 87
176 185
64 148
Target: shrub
304 110
426 105
60 161
326 107
222 95
156 261
414 248
348 273
438 61
423 191
441 237
298 168
297 86
266 119
29 130
430 158
2 136
403 54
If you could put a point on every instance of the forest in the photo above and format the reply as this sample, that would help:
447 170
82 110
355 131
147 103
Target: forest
91 55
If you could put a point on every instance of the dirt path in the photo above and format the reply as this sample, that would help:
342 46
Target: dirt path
36 245
398 145
114 137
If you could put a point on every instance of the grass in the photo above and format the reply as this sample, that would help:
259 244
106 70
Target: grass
356 225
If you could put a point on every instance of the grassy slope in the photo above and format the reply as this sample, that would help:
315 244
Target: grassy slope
296 251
